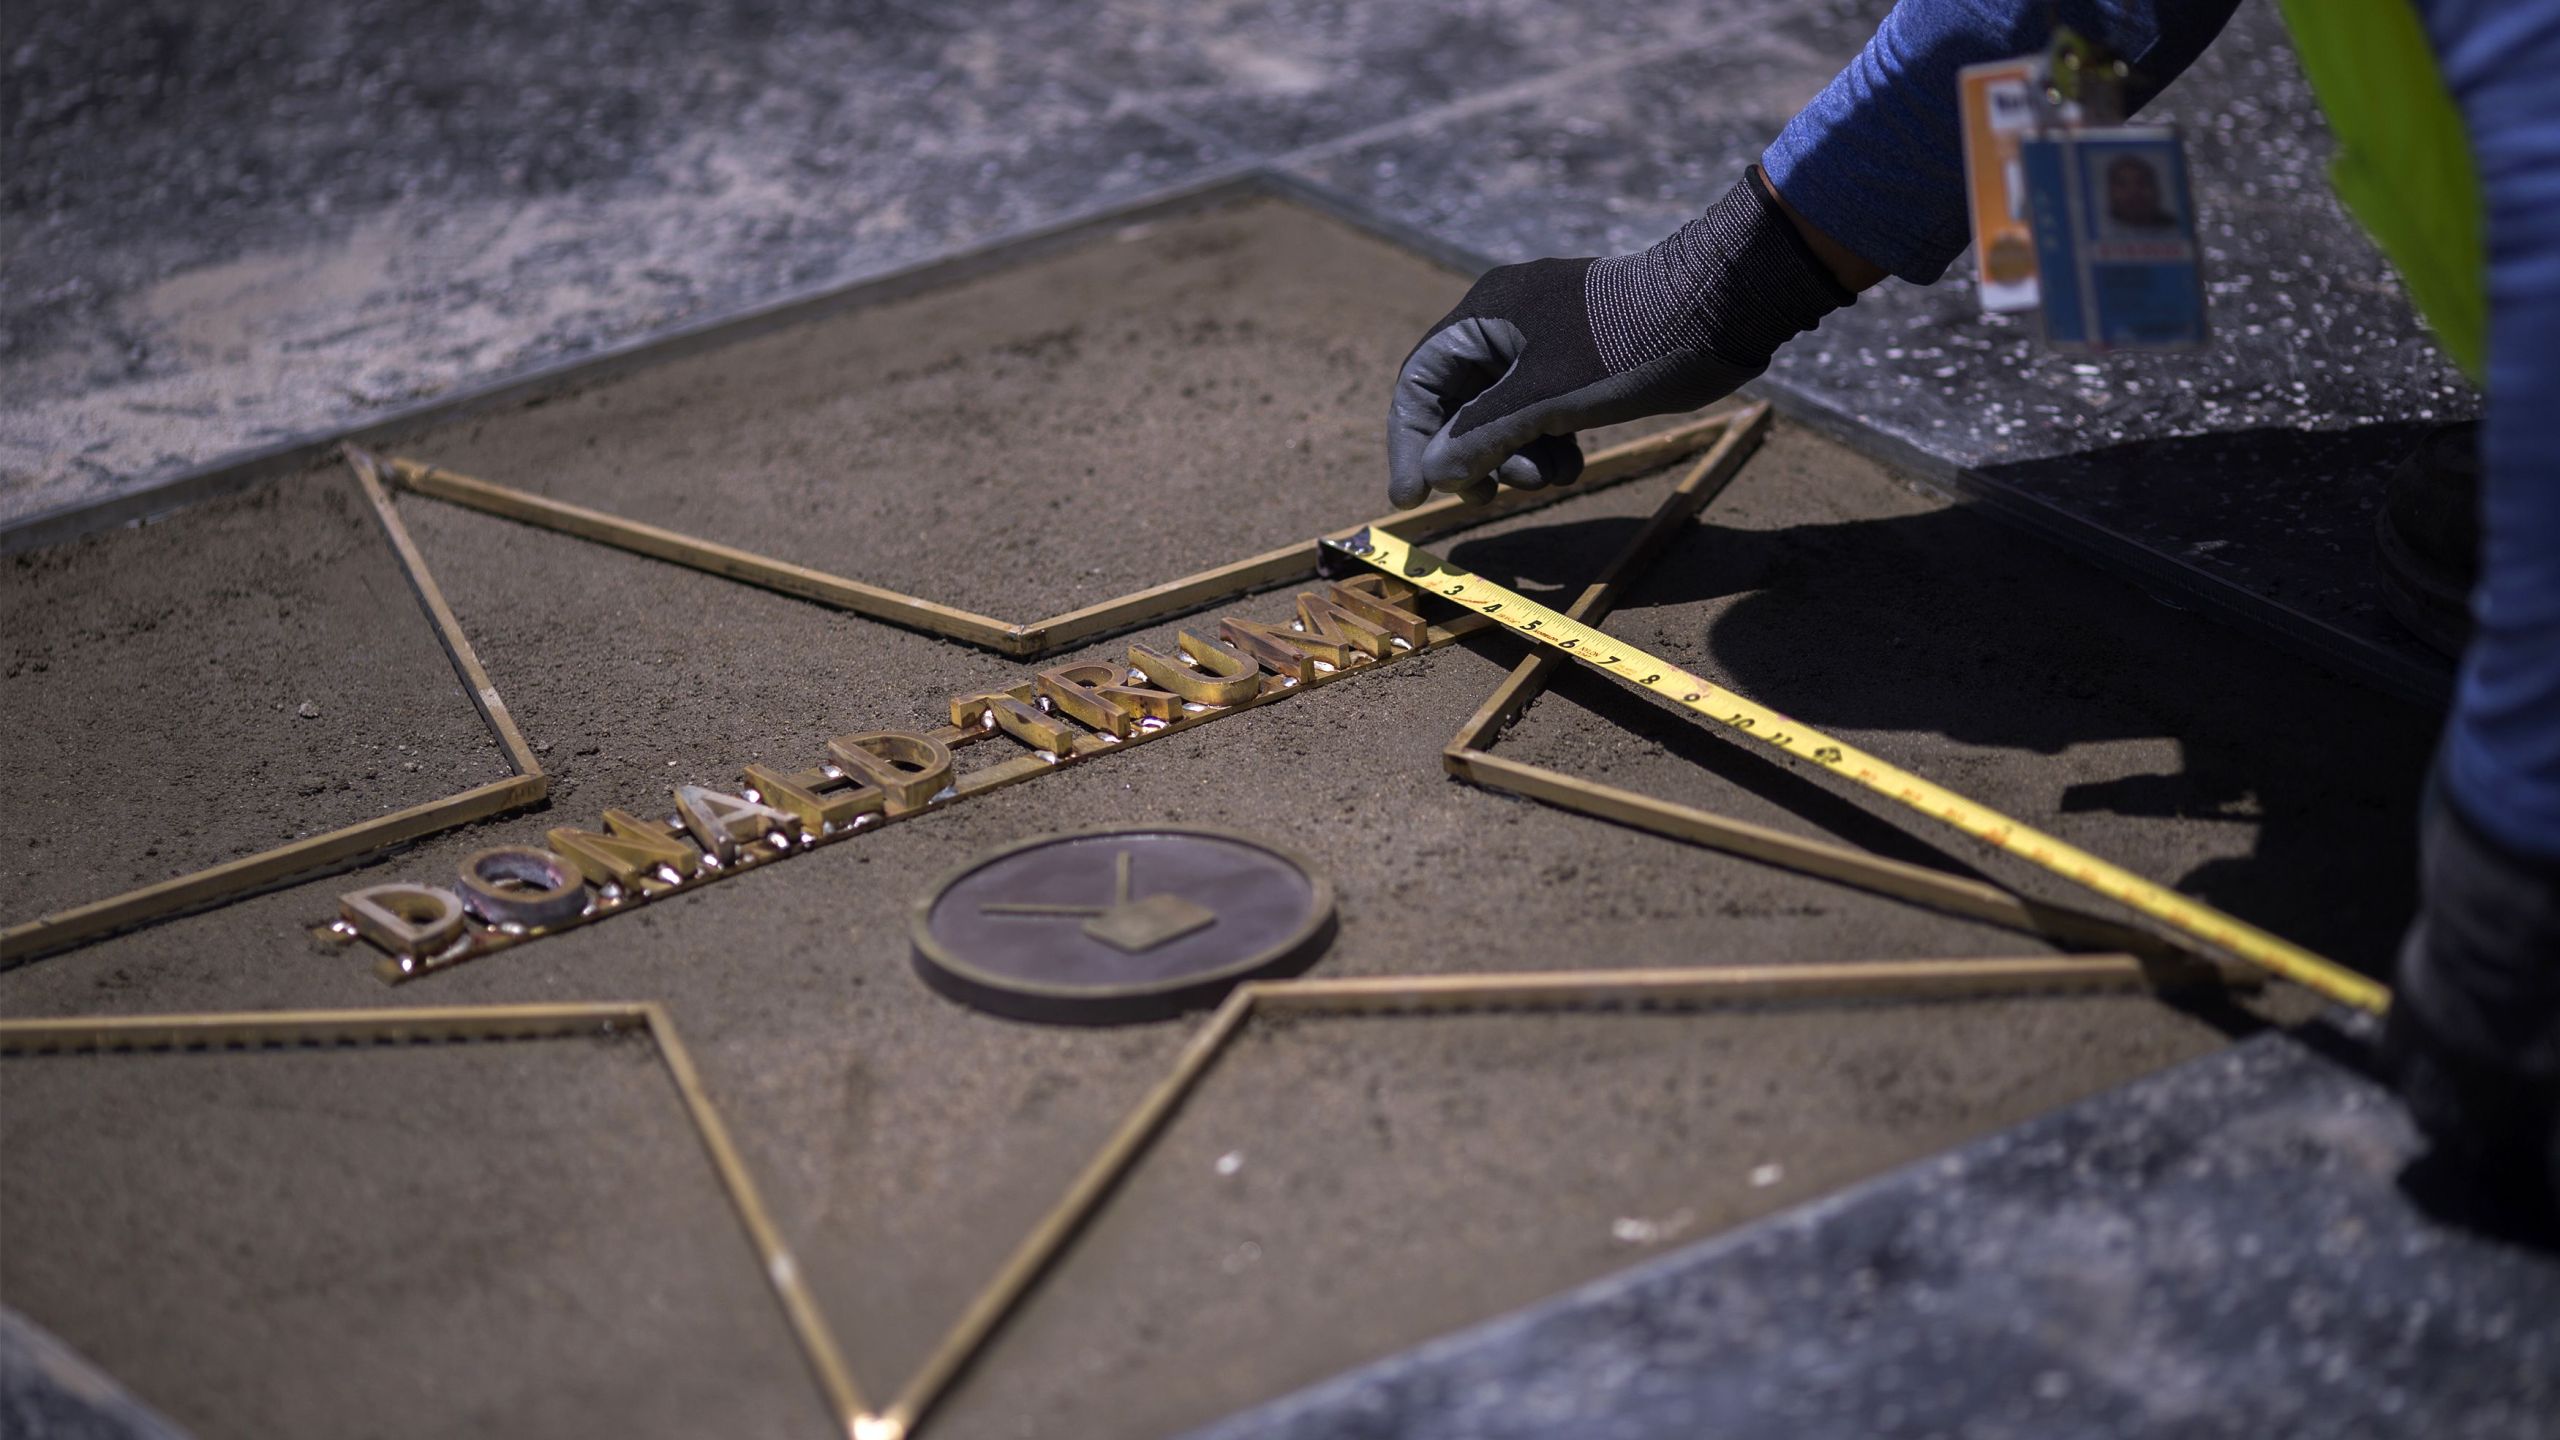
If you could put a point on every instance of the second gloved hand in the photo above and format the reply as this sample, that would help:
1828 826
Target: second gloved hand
1535 352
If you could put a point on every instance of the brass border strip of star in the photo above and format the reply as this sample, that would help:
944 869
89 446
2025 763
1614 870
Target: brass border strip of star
1393 995
591 875
1289 563
1531 991
277 1029
529 787
1039 1250
1469 757
2137 960
234 879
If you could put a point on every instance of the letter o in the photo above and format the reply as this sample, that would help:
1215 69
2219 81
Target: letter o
520 885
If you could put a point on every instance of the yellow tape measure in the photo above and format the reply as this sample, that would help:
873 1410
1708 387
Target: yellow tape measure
1381 551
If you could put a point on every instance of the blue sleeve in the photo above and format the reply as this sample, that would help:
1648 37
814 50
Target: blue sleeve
2502 746
1876 161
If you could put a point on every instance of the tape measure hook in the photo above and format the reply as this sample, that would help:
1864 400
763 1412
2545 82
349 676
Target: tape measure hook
1355 543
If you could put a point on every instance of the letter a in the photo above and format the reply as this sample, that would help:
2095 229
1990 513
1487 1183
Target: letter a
630 850
720 822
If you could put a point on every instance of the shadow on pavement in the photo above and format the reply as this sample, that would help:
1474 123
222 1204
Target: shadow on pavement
1947 623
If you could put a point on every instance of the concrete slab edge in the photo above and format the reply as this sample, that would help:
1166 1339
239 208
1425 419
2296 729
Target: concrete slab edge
2291 631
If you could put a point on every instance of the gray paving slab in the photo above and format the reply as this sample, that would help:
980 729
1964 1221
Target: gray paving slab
228 235
2221 1250
1283 77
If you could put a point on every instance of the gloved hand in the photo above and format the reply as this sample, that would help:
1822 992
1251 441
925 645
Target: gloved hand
1536 352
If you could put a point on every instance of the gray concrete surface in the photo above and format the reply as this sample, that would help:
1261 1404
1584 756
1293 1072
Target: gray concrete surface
416 1242
225 232
2228 1249
227 236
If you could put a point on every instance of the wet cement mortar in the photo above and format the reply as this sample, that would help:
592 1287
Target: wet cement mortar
264 671
1173 366
532 1220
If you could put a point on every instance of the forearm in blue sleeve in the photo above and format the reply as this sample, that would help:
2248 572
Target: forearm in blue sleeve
2502 746
1876 161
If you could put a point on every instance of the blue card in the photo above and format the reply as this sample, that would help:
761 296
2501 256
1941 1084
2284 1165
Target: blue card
2115 236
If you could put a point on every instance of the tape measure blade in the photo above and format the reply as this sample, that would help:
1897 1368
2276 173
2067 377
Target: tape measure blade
1644 671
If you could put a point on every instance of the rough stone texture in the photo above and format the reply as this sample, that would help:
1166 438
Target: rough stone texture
229 229
344 1240
938 443
227 233
2223 1250
246 674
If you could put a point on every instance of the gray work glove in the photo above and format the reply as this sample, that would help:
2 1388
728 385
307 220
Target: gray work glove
1536 352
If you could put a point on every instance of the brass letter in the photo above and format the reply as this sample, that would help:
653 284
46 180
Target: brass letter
1093 694
519 885
910 769
718 822
1371 598
1012 712
1232 675
1320 618
1290 653
821 801
406 920
630 850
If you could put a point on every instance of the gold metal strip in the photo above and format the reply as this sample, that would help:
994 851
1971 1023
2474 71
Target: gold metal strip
233 879
142 1034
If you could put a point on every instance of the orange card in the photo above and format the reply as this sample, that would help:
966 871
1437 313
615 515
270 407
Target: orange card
1998 104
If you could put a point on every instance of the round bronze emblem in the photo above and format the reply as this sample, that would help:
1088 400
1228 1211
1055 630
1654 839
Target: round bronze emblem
1110 926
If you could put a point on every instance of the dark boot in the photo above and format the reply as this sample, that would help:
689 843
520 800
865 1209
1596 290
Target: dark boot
2427 537
2473 1040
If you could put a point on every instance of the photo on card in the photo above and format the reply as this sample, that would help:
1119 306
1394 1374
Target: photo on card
2115 234
2135 191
